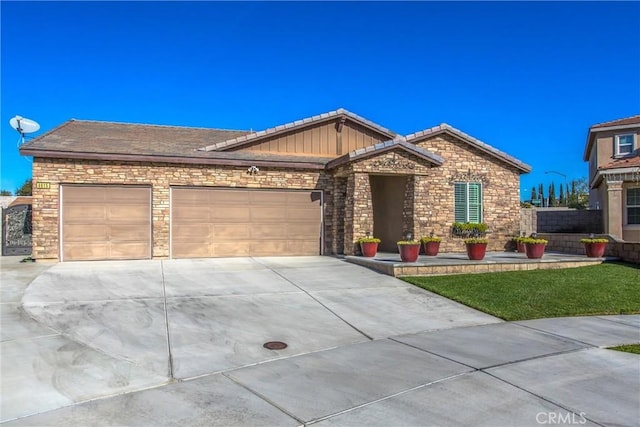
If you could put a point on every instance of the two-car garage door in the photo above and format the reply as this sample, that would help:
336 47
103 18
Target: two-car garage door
114 222
221 222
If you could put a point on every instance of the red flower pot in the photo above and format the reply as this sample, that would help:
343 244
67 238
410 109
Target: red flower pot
476 251
409 253
535 250
521 247
431 248
595 250
369 249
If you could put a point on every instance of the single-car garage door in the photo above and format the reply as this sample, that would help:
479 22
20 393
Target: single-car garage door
106 222
245 222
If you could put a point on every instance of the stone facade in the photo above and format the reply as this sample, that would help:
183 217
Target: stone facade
160 177
462 162
428 204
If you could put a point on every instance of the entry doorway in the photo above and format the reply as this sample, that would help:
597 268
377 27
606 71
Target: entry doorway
387 197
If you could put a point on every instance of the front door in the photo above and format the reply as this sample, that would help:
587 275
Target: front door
387 197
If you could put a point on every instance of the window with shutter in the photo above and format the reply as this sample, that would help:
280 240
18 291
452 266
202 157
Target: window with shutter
468 202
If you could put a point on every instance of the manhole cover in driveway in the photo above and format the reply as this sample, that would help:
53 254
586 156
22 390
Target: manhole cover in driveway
275 345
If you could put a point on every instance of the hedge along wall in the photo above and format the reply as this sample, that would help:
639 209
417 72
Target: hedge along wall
570 243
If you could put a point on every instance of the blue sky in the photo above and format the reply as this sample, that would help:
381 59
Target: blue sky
527 78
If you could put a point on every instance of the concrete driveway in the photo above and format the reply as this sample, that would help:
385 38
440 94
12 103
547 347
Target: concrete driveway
180 342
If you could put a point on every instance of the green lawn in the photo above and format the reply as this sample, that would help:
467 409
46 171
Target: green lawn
630 348
611 288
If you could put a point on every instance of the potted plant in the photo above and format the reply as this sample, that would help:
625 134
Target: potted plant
519 244
369 246
409 250
476 248
534 247
431 244
594 247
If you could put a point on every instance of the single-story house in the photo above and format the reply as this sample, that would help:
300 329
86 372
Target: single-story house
106 190
613 152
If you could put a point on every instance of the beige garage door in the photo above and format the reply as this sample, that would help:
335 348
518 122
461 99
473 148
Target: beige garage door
106 222
244 222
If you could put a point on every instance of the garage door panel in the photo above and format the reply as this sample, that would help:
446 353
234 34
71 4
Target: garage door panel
230 213
277 213
132 196
302 214
231 231
128 233
132 213
186 197
197 214
268 198
302 231
84 195
246 222
90 213
271 231
128 250
85 233
227 197
185 233
86 251
106 222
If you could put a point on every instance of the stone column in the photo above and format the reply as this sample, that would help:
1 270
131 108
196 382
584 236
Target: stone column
359 210
338 217
613 221
408 214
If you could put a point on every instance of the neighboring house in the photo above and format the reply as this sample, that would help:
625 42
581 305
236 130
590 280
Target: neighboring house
129 191
613 152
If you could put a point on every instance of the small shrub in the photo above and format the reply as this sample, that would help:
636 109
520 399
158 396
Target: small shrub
593 240
533 241
429 239
368 240
408 242
476 240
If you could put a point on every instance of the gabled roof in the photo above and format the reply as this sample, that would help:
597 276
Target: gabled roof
445 128
331 115
398 143
624 162
86 136
633 120
618 124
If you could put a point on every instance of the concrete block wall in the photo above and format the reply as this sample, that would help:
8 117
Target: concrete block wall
563 220
570 243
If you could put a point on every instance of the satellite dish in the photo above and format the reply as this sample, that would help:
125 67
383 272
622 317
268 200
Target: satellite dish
23 125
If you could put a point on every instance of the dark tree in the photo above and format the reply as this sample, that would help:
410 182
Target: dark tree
562 201
541 194
25 189
534 194
5 193
552 195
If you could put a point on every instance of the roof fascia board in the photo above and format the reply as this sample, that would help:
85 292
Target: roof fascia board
348 158
171 159
297 125
461 135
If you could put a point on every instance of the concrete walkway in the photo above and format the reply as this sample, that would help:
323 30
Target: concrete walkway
180 343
